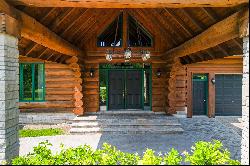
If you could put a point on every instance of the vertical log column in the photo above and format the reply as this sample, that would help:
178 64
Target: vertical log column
9 80
244 33
171 68
78 103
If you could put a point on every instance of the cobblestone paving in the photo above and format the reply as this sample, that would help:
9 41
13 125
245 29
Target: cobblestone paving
219 128
196 129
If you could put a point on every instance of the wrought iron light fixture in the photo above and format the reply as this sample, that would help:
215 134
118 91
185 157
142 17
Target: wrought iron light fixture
145 54
213 81
127 54
92 72
158 73
109 55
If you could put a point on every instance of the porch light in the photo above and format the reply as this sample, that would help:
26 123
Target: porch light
91 72
158 73
213 81
127 54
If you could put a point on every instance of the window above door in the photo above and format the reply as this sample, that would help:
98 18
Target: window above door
125 33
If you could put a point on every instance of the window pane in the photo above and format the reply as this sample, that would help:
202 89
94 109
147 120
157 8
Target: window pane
146 88
27 82
109 38
137 34
39 82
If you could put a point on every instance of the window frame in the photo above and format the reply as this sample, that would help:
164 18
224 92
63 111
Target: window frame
122 40
33 82
142 29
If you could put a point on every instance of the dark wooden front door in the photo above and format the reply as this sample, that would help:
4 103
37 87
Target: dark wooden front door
116 89
133 89
125 89
199 97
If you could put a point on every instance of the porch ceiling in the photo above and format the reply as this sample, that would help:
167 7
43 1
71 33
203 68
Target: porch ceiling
175 26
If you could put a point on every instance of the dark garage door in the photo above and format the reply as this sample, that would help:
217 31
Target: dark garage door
228 90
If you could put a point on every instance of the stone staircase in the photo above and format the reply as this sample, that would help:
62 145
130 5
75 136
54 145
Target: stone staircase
126 124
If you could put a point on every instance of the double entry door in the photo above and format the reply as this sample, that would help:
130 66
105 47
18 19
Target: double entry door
125 89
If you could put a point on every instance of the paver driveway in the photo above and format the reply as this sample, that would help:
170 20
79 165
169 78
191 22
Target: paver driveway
226 129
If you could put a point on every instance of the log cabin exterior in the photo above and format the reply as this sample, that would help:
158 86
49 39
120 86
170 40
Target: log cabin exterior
188 40
164 94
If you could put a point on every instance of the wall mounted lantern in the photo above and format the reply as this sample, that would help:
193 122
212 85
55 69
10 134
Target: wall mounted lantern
158 73
91 72
213 81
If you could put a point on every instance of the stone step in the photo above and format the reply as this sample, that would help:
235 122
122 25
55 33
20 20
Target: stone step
125 124
132 121
121 117
122 123
122 130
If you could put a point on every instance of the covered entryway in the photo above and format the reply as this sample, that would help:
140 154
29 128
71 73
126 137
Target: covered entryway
228 90
200 94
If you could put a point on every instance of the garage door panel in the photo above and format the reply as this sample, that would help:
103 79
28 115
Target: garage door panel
228 89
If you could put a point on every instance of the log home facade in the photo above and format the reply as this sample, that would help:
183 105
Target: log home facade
74 57
165 93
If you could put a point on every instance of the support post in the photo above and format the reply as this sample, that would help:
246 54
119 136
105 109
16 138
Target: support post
244 33
245 103
9 94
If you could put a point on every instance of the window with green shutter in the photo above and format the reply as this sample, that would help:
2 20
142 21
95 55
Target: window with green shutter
32 82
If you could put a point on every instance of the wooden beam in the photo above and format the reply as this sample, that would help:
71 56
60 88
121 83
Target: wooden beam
128 3
35 31
218 33
57 22
200 26
160 30
163 22
33 46
213 16
182 24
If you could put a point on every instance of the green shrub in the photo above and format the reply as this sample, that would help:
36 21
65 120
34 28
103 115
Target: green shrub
40 132
172 158
109 155
209 153
103 93
203 153
149 158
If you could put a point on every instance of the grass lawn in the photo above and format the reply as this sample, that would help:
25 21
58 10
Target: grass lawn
40 132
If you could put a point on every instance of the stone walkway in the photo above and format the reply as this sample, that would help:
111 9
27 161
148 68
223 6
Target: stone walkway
226 129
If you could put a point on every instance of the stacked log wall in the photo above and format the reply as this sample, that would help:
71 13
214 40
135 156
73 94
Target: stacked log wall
158 88
62 89
181 89
91 87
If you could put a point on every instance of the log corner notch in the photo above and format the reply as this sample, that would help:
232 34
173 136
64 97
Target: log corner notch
172 68
129 3
35 31
78 95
